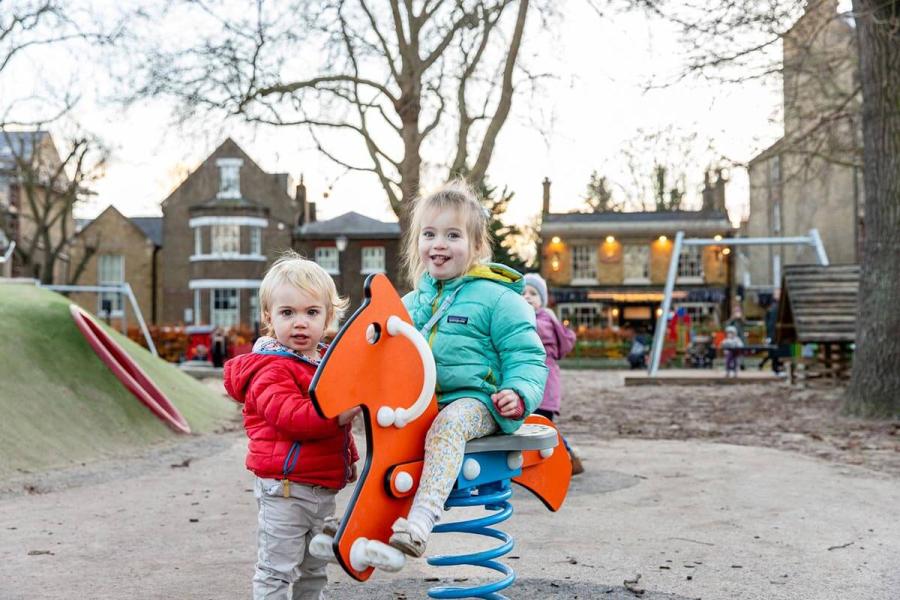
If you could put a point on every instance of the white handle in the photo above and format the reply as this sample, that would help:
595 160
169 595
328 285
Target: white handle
400 417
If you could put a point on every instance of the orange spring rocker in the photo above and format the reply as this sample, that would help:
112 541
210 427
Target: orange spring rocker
379 361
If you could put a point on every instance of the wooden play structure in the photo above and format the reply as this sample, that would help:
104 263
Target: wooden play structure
818 306
380 361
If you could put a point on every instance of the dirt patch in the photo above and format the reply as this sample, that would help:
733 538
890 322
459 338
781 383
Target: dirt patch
597 405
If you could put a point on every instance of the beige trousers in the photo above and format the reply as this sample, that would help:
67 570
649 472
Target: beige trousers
284 569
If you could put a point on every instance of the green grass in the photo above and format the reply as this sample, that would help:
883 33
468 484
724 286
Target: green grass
60 405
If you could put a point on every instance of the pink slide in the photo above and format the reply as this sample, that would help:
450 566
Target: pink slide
127 371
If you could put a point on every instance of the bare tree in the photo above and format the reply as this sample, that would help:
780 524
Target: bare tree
393 74
46 187
875 380
599 196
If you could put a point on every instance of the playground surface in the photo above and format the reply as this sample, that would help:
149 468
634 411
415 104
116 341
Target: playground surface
747 494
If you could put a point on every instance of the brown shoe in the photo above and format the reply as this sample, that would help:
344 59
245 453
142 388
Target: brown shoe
577 467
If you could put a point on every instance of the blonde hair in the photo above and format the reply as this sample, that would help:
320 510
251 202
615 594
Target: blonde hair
306 276
453 195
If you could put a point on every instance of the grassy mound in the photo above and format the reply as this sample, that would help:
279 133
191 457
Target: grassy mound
59 404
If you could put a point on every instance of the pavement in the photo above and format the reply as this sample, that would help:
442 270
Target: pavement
693 519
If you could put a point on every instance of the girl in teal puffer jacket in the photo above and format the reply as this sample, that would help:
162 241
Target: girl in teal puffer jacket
489 358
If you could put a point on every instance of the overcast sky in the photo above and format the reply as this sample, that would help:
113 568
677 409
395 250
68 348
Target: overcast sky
593 107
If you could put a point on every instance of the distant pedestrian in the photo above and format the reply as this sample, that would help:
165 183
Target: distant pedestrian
558 341
219 345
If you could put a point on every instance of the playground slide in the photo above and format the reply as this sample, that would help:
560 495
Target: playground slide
127 371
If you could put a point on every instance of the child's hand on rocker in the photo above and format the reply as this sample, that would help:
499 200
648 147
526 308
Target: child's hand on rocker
347 416
508 404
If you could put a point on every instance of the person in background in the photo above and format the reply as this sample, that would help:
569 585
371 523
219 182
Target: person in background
731 346
558 341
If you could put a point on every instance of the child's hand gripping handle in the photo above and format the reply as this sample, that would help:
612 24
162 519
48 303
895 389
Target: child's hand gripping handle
400 417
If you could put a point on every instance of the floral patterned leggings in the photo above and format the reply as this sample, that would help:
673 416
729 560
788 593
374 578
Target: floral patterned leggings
457 423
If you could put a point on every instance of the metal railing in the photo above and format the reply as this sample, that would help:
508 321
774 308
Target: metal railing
125 289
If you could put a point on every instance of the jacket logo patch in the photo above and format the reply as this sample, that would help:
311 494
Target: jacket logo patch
457 319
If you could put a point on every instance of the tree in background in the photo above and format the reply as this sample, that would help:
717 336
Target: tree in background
45 184
875 380
668 195
506 239
598 195
48 186
391 76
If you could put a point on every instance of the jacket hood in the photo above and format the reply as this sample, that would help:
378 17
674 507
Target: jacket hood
239 371
495 272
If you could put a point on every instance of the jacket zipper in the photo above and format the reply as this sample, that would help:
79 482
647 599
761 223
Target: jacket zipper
434 307
290 463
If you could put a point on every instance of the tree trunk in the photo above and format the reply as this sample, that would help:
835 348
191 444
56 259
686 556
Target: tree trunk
875 383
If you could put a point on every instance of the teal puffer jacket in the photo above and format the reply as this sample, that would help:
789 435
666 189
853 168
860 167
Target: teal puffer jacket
486 341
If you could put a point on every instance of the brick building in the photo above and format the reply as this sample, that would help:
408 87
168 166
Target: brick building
119 250
351 247
222 227
609 268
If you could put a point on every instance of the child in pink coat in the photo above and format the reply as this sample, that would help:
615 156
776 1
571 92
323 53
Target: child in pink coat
558 341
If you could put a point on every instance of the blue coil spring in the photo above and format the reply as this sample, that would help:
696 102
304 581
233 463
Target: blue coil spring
494 497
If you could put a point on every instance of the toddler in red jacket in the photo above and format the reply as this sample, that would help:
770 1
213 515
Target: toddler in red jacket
300 459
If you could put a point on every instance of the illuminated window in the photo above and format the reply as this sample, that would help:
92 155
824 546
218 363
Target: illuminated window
690 263
637 263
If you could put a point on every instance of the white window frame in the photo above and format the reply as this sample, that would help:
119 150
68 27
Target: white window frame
372 259
111 271
690 265
198 241
255 240
584 274
631 252
225 239
254 307
234 312
229 178
328 258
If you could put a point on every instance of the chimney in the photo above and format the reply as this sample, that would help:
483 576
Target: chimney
719 193
302 207
546 209
708 192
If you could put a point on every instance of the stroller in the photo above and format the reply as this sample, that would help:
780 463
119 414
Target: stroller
700 352
637 356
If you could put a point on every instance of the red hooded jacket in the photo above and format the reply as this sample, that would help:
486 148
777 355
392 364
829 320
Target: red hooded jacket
281 420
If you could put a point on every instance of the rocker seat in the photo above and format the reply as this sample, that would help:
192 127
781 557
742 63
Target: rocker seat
528 437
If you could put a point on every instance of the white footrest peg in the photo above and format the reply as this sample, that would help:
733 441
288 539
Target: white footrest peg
320 547
365 553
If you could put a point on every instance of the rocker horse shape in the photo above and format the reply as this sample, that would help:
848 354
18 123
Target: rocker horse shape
380 361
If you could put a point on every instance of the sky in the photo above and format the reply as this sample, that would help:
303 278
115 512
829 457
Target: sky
593 107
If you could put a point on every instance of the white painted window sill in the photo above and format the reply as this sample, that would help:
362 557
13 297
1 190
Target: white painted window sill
226 257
